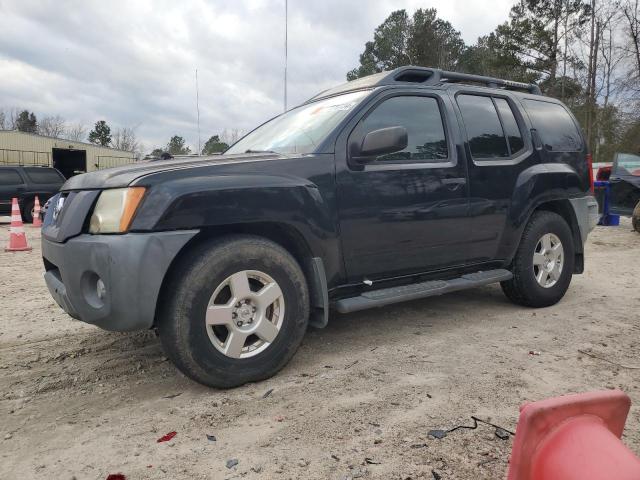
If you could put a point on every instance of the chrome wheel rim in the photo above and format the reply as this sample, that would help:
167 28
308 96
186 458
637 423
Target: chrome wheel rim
548 260
245 314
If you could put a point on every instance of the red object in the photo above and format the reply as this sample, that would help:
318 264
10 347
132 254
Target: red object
167 437
116 476
590 167
17 238
575 437
37 221
604 173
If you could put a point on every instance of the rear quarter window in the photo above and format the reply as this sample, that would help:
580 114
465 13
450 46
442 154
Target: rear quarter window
10 177
43 175
558 131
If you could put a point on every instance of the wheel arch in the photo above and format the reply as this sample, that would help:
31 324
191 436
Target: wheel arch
563 208
286 236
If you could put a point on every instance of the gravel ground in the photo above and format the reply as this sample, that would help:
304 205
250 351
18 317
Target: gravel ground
357 400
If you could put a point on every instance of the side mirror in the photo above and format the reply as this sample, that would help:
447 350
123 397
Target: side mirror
381 142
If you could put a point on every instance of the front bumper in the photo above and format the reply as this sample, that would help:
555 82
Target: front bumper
111 281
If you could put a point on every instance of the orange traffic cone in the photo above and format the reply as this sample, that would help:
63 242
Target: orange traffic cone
37 221
17 238
575 437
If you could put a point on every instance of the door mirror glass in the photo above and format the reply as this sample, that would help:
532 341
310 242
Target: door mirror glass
383 141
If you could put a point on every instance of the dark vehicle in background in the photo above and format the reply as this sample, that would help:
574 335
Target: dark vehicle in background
625 187
25 183
392 187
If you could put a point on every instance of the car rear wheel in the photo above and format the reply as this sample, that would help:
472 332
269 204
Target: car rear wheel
238 311
543 265
27 211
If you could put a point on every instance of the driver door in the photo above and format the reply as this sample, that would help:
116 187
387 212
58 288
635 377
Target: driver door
404 212
624 184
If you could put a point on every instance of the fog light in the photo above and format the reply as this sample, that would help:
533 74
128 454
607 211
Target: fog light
101 290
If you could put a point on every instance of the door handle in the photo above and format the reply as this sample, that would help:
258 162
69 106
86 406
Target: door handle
454 183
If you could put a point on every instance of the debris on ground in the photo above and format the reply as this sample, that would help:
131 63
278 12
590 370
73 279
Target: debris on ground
167 437
173 395
267 393
371 461
232 462
211 438
501 433
116 476
436 475
534 352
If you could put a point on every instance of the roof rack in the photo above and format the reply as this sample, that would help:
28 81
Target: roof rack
435 76
425 76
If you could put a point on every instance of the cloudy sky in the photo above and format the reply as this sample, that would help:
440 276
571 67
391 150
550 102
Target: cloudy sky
132 62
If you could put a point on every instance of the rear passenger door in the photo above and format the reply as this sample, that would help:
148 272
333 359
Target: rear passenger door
11 185
496 151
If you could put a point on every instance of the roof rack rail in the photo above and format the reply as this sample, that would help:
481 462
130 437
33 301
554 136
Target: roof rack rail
423 76
434 76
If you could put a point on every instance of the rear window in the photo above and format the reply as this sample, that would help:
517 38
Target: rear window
557 129
10 177
43 175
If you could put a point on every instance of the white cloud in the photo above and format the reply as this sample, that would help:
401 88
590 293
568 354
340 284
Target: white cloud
133 63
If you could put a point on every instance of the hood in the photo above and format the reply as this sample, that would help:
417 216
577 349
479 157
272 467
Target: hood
123 176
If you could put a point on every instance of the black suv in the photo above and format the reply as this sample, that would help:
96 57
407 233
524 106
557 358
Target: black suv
25 183
393 187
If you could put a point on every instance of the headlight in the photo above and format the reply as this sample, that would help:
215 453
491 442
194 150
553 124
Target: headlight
115 209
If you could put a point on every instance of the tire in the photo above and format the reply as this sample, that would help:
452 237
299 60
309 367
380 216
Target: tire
198 349
524 288
27 209
635 218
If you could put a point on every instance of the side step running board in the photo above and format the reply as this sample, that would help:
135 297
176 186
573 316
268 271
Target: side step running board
387 296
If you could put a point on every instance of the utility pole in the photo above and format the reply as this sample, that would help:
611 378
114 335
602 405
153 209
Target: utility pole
198 111
286 33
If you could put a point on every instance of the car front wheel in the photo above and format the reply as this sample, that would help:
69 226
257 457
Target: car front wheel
238 311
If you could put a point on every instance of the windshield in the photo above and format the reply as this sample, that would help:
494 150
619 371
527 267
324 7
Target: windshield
627 164
302 129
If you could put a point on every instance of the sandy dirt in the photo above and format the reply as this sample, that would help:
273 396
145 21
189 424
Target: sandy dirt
357 401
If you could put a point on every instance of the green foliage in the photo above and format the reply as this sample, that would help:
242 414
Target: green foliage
214 145
176 146
490 57
534 31
101 134
423 39
27 122
157 152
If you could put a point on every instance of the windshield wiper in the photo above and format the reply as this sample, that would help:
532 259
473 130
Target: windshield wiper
259 151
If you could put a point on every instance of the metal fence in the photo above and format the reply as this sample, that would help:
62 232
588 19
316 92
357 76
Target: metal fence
103 161
24 157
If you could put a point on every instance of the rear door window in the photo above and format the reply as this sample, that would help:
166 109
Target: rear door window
484 130
558 131
510 126
44 175
10 177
